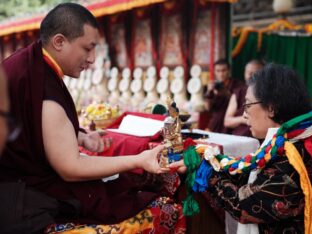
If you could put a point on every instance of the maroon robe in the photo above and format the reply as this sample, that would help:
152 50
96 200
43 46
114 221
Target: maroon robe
242 129
218 105
31 81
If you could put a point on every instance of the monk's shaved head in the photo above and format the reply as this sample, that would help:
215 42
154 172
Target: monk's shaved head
67 19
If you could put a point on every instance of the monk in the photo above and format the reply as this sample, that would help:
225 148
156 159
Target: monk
234 119
45 155
218 95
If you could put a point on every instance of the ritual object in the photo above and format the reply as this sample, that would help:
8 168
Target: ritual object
137 88
98 79
177 86
98 116
163 85
113 86
171 132
195 88
150 85
124 88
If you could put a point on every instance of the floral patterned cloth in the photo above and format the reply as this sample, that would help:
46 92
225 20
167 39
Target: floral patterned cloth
274 200
162 216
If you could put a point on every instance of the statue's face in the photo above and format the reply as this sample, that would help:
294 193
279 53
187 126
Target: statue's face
170 127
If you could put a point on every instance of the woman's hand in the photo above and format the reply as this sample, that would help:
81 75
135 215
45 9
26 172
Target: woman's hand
178 166
150 161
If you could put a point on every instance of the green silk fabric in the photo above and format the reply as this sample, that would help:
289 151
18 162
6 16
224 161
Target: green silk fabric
294 51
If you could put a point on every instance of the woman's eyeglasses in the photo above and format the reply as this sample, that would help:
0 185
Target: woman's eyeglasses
14 128
246 106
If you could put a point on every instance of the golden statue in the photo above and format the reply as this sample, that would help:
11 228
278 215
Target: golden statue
172 135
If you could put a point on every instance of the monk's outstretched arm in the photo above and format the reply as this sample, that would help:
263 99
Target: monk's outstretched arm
230 120
61 147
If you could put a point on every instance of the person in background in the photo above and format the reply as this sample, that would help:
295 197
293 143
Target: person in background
218 95
46 155
234 119
269 191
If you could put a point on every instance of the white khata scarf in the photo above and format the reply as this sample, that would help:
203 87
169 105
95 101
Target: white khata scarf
253 228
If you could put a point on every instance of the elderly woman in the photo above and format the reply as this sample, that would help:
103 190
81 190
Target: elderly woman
269 190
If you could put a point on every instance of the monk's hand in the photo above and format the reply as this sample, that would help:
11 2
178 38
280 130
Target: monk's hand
150 161
94 142
178 166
